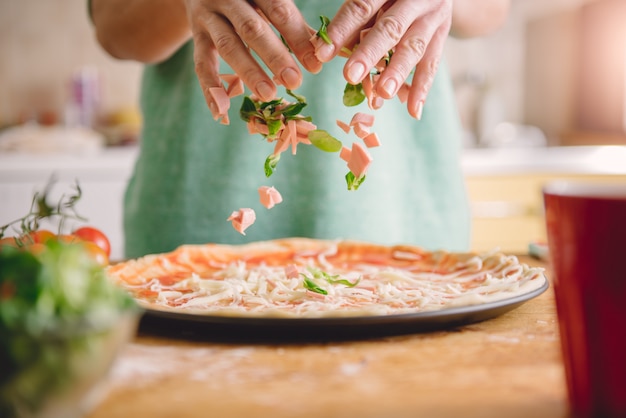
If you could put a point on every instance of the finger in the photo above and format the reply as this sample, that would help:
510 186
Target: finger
206 62
287 19
351 17
425 72
407 54
232 49
258 35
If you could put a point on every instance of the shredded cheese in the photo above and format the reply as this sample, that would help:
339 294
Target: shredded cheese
241 288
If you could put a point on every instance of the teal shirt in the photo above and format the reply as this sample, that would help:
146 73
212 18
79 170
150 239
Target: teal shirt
192 172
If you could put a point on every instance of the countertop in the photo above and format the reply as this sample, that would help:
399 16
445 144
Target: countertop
117 162
509 366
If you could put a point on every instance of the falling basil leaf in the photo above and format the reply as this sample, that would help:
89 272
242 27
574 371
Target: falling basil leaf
322 33
312 286
324 141
293 110
273 126
270 164
353 94
300 98
248 109
353 182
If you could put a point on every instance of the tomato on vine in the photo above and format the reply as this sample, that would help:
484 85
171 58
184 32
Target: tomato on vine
94 235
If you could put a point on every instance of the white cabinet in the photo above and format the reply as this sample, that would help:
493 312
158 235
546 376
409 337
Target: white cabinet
102 178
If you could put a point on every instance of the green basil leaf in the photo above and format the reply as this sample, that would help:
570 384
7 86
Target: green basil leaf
270 164
300 98
311 285
344 282
322 33
353 94
353 182
273 126
248 109
293 110
324 141
271 104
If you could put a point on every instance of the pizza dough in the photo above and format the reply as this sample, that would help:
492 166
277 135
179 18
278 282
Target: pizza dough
308 278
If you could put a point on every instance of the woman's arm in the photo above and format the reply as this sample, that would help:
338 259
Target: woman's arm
148 31
471 18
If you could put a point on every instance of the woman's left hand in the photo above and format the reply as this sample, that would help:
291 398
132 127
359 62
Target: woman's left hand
415 30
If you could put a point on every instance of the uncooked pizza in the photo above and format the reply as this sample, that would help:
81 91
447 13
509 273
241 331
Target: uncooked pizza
307 278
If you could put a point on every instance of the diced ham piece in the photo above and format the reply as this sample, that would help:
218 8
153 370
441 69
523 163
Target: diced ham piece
344 154
344 126
242 219
367 86
269 196
371 140
403 92
292 271
256 126
293 135
303 127
317 43
282 144
235 84
361 130
362 118
359 160
221 100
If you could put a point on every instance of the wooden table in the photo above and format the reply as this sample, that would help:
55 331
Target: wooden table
509 366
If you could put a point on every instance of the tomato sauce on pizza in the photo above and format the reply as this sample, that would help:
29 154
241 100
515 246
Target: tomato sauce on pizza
300 277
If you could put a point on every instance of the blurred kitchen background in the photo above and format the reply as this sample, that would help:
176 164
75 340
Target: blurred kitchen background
543 98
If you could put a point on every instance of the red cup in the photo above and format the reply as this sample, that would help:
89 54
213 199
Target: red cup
586 225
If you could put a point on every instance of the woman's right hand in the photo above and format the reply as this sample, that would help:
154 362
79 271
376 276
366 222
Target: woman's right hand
234 29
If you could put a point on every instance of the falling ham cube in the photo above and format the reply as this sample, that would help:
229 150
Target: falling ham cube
371 140
221 101
235 84
345 153
364 119
359 160
344 126
242 219
269 196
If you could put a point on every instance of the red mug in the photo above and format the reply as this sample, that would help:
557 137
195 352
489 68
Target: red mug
586 225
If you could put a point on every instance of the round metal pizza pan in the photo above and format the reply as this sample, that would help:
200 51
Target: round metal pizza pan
296 330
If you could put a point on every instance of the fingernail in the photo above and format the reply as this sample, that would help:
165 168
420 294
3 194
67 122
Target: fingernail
265 90
356 72
312 63
325 52
290 77
389 87
420 109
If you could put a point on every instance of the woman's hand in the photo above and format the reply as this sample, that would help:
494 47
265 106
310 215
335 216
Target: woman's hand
415 29
233 29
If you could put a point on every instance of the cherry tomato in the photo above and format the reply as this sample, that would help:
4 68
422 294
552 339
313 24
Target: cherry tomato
36 248
40 236
96 236
9 242
96 252
68 239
